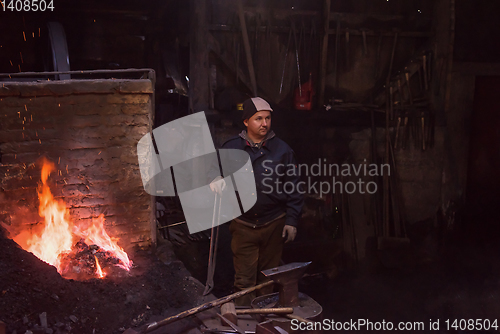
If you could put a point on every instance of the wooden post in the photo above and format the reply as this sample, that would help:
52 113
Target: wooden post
198 55
337 45
246 44
449 65
324 53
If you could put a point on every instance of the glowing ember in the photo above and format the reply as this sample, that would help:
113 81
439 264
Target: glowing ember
96 235
99 272
55 243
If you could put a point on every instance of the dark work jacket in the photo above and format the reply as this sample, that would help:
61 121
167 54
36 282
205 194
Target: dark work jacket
273 158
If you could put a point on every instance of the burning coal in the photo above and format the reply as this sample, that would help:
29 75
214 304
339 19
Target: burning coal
94 250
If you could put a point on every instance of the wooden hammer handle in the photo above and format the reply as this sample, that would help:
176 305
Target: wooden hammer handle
203 307
277 310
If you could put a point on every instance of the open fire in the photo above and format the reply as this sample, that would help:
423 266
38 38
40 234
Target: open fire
78 252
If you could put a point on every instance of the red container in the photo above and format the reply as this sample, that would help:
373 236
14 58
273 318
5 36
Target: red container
302 99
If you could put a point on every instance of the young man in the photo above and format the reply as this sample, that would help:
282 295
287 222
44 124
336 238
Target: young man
259 234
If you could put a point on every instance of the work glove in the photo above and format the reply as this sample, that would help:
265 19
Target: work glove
218 185
289 232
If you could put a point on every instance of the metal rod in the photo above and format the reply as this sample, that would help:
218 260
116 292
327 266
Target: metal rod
24 74
203 307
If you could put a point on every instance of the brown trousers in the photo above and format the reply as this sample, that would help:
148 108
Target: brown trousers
255 249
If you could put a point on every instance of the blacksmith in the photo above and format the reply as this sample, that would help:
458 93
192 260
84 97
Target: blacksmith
259 234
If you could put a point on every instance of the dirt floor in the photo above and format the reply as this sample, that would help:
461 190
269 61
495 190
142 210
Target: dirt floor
31 290
422 283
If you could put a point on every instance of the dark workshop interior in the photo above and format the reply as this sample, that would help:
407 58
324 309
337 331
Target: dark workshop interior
406 84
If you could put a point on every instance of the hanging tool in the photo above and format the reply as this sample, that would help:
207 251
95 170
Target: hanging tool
405 132
337 42
397 132
312 40
286 57
420 81
256 41
391 101
424 64
392 58
268 44
213 245
377 58
429 65
347 47
407 77
365 48
423 130
297 55
246 44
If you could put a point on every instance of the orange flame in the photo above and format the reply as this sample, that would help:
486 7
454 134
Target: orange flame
99 272
96 235
56 237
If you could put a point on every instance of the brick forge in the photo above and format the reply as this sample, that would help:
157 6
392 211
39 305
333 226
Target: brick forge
89 129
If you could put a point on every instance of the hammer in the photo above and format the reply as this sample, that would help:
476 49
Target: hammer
287 276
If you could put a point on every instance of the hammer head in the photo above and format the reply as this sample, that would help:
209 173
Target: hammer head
287 277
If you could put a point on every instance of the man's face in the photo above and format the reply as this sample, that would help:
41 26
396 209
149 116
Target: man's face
259 124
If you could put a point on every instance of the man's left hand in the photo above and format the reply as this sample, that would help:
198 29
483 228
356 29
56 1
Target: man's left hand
289 232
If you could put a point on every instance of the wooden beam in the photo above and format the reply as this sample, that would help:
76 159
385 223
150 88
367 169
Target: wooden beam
449 66
324 53
384 33
360 17
355 32
280 13
246 44
198 57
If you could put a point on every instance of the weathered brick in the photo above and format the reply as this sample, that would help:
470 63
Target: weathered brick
137 86
137 109
93 108
27 135
95 135
85 201
127 98
85 212
12 158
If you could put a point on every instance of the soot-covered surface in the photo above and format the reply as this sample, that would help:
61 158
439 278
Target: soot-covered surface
29 287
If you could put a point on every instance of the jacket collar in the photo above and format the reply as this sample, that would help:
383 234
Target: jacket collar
243 134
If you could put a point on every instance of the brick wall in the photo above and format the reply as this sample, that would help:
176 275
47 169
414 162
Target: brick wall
89 129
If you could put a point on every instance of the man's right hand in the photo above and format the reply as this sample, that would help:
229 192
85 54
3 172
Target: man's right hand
218 185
